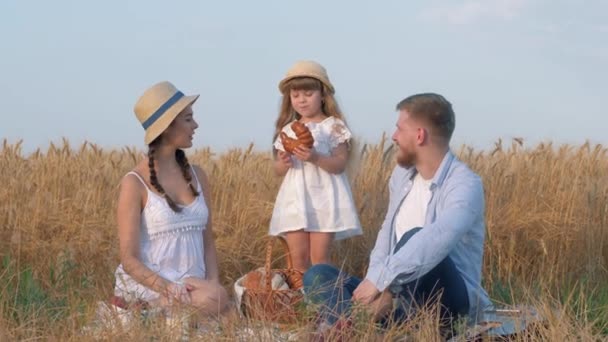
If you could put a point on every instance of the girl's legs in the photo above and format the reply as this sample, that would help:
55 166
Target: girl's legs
299 248
320 245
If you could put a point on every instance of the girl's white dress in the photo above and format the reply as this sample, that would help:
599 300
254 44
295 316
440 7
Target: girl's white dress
170 243
311 198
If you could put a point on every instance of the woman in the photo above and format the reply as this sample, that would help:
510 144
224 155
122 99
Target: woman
167 251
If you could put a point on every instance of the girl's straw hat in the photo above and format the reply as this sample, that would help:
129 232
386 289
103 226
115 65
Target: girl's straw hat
306 69
158 107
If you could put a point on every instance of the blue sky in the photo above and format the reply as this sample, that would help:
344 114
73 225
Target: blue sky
511 68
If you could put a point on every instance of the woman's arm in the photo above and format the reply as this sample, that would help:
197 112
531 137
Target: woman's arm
211 266
129 221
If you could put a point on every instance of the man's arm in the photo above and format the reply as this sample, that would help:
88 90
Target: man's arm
463 206
380 252
368 290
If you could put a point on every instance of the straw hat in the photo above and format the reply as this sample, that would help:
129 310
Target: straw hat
307 69
158 107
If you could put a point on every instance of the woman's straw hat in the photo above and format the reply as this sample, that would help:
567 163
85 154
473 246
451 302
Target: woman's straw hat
158 107
306 69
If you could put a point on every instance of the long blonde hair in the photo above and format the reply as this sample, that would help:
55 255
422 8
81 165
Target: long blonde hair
287 114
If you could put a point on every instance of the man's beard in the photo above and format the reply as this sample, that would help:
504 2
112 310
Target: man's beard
405 158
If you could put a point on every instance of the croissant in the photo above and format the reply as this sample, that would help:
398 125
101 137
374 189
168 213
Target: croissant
303 134
288 143
304 137
254 280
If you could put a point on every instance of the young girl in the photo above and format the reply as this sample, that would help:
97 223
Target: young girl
314 205
167 251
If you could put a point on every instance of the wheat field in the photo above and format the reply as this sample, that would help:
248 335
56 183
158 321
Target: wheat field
546 246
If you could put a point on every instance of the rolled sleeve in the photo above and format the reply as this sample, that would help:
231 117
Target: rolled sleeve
380 255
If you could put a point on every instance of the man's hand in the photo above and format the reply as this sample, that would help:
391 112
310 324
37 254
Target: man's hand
366 292
380 307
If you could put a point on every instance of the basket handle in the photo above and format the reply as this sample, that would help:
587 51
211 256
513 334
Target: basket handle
267 264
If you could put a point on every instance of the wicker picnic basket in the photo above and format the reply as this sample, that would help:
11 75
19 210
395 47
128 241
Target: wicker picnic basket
276 305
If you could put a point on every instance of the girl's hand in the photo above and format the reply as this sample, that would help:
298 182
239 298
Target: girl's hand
285 159
304 153
177 292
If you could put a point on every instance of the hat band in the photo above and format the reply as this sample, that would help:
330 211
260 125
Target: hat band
162 109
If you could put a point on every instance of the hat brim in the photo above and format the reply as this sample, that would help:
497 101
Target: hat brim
167 118
284 81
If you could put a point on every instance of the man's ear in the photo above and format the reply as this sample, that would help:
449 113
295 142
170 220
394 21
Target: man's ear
422 135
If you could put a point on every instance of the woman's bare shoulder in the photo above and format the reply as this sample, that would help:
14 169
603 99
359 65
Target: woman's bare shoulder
142 173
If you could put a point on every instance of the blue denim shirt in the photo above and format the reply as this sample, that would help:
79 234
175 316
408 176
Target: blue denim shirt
454 226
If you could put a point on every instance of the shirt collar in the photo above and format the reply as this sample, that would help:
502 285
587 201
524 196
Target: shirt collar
442 171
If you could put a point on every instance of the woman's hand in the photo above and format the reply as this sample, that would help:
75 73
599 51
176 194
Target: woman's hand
304 153
207 295
177 292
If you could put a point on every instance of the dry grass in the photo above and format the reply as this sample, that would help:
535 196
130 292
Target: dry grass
546 206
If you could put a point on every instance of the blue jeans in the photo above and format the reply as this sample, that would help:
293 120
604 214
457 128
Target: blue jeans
327 285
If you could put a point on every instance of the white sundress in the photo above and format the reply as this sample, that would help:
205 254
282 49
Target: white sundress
311 198
171 244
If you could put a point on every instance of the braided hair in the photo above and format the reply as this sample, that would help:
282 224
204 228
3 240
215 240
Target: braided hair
182 161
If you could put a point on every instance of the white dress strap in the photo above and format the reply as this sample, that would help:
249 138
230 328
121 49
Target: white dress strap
139 177
199 187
